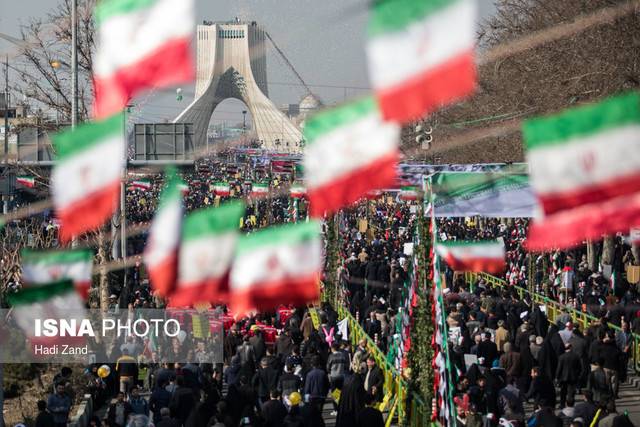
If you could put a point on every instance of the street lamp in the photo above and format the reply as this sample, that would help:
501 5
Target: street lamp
244 120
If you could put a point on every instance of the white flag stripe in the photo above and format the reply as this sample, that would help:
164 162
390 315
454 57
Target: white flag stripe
350 148
396 57
126 39
205 258
164 237
585 160
87 172
290 261
40 274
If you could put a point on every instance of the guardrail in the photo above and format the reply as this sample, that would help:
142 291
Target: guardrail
395 387
555 309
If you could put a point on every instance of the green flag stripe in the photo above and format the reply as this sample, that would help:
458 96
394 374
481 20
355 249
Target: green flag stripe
108 8
395 15
209 221
467 184
56 257
85 136
328 120
582 121
287 234
41 293
172 191
461 243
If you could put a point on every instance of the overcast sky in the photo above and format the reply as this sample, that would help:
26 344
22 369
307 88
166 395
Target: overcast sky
323 39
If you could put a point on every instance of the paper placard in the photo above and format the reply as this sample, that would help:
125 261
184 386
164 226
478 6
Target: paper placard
470 359
408 249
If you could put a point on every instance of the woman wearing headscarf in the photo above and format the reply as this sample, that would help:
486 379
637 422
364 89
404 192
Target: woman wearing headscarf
352 401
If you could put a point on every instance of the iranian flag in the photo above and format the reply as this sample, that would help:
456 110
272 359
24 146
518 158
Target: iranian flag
208 243
482 256
141 44
40 268
161 251
585 171
409 193
27 181
349 151
85 181
259 189
57 300
142 184
221 189
421 55
297 191
277 265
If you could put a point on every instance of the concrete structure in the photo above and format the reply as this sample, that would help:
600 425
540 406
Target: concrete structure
232 63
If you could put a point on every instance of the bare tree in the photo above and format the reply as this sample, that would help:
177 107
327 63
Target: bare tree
594 64
43 63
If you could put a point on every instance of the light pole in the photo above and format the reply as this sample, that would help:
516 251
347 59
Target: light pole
6 108
244 121
74 63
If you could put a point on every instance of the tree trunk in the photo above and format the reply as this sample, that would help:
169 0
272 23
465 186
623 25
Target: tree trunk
608 250
635 251
1 395
592 259
104 284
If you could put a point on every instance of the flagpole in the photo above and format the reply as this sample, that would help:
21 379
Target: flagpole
123 199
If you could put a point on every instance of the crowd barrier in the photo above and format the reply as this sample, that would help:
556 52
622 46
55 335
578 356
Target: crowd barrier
410 409
555 309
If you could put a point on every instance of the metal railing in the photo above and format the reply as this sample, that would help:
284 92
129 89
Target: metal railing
415 414
555 309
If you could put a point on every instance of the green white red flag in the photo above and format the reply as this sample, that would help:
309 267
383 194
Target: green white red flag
221 189
297 191
585 171
85 181
259 189
409 193
57 300
209 239
350 150
141 44
141 184
417 61
27 181
40 268
163 244
482 256
277 265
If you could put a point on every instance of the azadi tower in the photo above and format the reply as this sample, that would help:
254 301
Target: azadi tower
232 63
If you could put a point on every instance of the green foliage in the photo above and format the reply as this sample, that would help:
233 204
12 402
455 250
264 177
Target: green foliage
420 355
17 376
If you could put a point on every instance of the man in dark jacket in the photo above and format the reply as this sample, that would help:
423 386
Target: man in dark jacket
288 381
257 342
373 380
546 418
369 416
182 401
488 350
587 409
44 418
265 380
372 325
119 411
316 383
273 410
159 399
599 384
541 390
568 374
